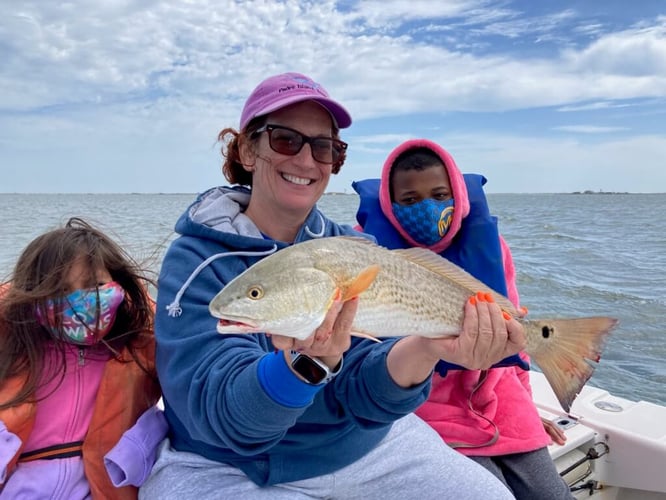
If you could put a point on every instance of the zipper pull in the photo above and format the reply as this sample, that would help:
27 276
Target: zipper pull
81 358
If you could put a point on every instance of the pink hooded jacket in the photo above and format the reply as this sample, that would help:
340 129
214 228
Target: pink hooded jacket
481 413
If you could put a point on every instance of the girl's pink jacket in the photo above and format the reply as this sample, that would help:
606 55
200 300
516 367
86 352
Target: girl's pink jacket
99 399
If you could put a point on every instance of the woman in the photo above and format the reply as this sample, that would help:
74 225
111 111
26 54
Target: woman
258 416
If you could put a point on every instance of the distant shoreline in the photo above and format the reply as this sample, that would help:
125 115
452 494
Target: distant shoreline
331 193
605 192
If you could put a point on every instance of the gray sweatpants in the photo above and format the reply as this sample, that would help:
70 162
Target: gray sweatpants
411 462
529 475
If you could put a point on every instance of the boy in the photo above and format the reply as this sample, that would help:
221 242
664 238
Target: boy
422 199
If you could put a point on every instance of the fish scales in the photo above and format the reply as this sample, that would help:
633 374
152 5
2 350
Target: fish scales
416 299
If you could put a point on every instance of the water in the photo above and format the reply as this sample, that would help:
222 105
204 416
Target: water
576 255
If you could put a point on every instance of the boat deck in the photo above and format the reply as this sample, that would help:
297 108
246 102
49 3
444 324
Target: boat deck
629 436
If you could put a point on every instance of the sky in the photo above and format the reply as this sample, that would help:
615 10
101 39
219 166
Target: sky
120 96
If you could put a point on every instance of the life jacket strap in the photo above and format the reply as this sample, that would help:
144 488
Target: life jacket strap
65 450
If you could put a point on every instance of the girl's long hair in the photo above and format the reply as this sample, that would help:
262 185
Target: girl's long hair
40 274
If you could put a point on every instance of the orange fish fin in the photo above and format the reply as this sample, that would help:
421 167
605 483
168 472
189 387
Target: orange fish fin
337 295
567 351
361 282
447 269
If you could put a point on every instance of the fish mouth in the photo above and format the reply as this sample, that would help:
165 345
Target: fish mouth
237 326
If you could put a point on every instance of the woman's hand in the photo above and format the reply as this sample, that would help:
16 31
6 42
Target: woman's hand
488 336
331 340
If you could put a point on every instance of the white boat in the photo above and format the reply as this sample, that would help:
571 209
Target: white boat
627 438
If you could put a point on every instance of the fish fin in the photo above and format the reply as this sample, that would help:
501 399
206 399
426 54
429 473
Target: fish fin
361 283
444 267
365 336
566 351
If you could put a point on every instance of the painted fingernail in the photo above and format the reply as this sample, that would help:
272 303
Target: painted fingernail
524 310
472 300
489 297
506 315
480 297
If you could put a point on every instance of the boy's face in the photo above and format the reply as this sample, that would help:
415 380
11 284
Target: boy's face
412 186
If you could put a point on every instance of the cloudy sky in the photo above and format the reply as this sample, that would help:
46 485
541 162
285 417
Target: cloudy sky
128 95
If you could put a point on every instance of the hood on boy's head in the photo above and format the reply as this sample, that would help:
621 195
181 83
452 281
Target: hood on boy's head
458 189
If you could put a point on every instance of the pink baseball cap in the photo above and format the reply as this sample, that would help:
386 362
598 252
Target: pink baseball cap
289 88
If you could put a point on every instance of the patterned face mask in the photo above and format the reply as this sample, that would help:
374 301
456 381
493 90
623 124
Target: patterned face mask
83 322
426 221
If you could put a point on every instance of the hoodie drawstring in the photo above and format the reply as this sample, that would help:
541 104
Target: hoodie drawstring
174 308
321 232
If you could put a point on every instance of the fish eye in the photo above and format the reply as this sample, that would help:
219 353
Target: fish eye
255 292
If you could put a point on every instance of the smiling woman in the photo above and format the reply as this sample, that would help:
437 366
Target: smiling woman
272 416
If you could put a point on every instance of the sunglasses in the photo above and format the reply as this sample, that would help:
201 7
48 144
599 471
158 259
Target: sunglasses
287 141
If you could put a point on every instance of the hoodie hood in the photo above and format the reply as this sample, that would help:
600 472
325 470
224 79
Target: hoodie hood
222 209
458 189
219 215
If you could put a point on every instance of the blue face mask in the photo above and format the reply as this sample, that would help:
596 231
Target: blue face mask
426 221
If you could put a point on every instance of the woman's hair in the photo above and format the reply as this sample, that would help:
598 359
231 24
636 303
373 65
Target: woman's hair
232 141
40 274
413 159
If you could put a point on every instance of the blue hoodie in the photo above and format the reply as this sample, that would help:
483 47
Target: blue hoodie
232 398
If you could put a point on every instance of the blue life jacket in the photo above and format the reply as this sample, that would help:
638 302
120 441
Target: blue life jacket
476 247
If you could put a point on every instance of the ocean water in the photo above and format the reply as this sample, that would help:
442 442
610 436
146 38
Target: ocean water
576 255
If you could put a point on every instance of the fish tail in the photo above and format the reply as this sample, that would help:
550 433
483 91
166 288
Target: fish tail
566 350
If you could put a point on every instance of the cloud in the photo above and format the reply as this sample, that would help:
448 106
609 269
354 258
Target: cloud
560 164
589 129
592 106
138 52
146 85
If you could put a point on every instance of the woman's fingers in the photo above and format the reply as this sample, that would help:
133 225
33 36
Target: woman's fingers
333 336
485 335
282 343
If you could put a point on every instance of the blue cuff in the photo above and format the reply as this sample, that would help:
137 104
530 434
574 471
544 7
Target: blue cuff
442 367
514 360
282 385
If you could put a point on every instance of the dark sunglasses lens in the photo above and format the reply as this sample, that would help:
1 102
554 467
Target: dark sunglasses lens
290 142
324 150
286 142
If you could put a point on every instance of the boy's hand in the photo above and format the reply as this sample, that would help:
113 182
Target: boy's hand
554 431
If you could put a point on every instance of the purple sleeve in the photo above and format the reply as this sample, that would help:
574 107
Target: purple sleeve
130 461
9 445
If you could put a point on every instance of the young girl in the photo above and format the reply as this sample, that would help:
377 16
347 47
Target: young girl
76 366
423 200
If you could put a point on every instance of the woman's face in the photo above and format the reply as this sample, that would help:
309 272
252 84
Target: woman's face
291 183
